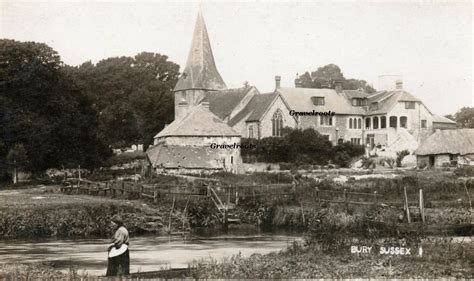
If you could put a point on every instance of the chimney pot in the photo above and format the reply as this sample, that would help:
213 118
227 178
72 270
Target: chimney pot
399 84
277 81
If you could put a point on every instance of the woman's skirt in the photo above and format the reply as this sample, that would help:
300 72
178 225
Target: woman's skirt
119 265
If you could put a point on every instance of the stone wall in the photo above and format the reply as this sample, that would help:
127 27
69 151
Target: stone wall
266 121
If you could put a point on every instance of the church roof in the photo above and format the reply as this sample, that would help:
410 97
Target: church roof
189 157
255 109
223 102
299 99
200 71
199 122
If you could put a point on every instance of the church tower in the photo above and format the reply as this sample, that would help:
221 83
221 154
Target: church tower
200 74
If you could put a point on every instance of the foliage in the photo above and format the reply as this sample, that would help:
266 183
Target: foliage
465 117
368 162
42 109
299 146
327 76
400 156
126 157
130 93
464 171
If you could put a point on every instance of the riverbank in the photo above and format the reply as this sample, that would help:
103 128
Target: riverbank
43 212
439 260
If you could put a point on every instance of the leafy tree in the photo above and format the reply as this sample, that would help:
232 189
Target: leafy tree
465 117
44 111
327 76
133 95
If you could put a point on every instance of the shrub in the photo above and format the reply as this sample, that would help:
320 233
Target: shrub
400 156
368 162
465 171
342 159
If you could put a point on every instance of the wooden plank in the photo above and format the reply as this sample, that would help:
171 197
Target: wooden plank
406 204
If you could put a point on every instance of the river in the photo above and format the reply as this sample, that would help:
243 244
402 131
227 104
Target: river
147 253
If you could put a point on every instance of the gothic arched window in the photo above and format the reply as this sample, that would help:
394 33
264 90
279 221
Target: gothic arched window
359 123
277 123
350 123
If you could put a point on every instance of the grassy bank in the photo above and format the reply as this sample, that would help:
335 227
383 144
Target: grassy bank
44 212
326 253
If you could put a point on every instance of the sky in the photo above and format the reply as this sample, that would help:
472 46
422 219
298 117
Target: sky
428 43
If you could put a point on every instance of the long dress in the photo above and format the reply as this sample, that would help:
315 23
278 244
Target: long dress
119 265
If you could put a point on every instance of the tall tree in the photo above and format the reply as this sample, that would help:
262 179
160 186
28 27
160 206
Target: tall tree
327 76
465 117
133 95
44 111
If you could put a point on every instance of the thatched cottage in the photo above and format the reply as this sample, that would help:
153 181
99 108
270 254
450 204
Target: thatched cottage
447 148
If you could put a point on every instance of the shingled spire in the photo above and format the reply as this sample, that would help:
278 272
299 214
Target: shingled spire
200 71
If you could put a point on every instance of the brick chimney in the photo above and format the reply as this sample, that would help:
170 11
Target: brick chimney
399 84
277 81
338 86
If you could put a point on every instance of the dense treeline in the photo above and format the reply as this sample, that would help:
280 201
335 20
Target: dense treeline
133 95
46 121
53 115
301 147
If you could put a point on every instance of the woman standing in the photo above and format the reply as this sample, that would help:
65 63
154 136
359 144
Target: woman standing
119 257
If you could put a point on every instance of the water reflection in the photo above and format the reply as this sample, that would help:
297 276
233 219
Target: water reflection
147 253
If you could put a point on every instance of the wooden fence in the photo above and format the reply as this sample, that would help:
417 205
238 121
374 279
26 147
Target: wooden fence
234 193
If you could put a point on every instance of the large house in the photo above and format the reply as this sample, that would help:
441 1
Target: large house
206 113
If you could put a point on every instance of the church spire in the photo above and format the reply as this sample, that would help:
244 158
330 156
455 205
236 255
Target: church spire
200 71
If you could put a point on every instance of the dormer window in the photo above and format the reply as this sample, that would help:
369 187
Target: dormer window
409 105
358 102
317 100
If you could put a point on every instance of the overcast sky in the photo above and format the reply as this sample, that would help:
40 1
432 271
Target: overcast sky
429 43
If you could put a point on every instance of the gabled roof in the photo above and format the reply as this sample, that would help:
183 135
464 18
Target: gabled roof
386 100
255 109
460 141
199 122
441 119
350 94
299 99
189 157
200 71
223 102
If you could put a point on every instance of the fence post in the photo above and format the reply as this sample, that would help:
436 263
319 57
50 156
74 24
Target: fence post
123 188
422 206
406 204
345 199
237 196
375 198
155 194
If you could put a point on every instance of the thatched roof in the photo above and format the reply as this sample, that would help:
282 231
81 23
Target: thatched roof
460 141
442 119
